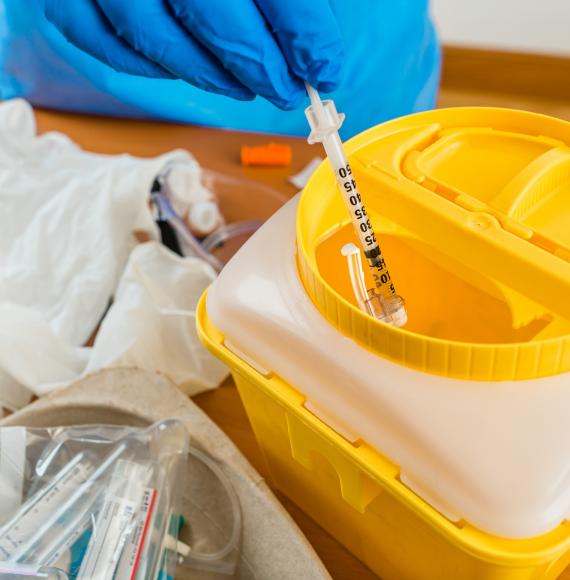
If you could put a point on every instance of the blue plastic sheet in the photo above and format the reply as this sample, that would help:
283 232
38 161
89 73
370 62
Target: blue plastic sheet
392 69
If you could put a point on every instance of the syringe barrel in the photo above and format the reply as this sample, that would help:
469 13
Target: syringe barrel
53 531
16 533
360 219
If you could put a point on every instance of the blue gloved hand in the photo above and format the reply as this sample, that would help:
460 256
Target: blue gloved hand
238 48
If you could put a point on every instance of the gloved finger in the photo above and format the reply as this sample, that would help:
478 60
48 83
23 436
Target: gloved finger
238 35
84 25
310 38
151 29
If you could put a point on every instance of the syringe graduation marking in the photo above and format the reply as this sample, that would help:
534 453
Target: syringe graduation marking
365 231
325 123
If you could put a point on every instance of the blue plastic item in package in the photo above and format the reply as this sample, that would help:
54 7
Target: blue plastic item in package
391 69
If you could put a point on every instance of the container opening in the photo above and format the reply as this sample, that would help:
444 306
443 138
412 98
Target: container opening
444 299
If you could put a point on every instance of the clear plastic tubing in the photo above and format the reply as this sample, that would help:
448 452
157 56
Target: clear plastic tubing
167 212
325 123
225 233
352 254
391 311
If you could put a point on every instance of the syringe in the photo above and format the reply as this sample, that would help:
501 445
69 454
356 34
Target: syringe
325 122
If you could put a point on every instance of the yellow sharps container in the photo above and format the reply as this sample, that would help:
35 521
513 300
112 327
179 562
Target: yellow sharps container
440 450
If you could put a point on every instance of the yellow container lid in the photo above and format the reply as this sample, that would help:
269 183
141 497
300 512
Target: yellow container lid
472 211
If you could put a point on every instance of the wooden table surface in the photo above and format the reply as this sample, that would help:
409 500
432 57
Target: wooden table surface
217 150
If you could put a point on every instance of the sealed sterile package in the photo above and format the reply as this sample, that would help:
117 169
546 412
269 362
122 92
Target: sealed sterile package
92 501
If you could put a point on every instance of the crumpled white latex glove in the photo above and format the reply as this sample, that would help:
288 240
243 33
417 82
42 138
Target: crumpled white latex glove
153 320
33 359
67 219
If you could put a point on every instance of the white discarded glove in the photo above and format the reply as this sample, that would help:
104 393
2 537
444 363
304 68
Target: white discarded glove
68 220
152 324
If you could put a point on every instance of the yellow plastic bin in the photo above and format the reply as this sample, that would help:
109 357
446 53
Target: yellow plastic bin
440 450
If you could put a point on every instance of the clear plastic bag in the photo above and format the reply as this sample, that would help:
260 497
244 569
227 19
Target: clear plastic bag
104 501
212 507
96 501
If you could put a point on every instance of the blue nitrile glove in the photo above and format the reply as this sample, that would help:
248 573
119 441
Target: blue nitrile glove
238 48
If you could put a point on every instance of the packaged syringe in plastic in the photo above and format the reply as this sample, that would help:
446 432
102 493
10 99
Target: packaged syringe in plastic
96 502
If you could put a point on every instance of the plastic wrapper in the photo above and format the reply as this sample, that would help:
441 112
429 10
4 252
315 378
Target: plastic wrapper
96 501
105 501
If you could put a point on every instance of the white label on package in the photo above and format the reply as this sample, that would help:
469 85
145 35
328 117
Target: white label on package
12 465
137 540
107 539
42 505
